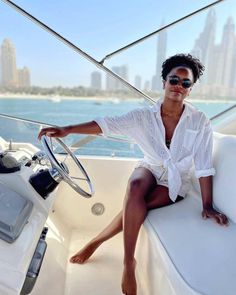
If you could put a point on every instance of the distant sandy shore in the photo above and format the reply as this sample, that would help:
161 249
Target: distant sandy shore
50 97
58 98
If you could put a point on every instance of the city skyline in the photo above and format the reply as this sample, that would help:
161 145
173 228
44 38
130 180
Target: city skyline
130 60
10 74
98 29
220 56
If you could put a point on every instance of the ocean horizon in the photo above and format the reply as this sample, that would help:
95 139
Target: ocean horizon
63 112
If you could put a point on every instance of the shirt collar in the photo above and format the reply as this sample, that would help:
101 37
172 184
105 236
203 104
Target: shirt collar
188 108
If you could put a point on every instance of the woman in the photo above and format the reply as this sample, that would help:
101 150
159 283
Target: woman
172 135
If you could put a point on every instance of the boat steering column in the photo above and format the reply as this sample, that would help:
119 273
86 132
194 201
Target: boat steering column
45 181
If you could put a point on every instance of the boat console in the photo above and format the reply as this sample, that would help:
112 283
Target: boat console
23 213
28 182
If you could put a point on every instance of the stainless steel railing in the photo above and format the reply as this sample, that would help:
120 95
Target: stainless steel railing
217 116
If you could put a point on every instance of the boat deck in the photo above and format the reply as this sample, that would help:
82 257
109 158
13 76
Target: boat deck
101 274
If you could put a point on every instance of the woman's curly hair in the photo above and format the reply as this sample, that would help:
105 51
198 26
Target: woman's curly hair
186 60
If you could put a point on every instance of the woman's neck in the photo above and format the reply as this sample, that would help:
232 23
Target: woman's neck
172 109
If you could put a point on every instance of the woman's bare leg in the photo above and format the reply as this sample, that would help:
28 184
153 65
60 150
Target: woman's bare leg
135 211
141 183
110 231
156 199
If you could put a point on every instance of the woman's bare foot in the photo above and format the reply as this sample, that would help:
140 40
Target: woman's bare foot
84 254
129 285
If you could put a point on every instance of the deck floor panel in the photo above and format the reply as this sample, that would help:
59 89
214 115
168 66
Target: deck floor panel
101 274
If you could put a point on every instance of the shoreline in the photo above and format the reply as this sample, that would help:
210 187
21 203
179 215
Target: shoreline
58 98
49 97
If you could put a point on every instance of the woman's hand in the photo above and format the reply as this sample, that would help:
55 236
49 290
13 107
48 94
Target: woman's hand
54 132
217 216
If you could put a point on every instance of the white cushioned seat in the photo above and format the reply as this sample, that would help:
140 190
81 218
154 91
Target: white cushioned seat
201 253
186 254
225 179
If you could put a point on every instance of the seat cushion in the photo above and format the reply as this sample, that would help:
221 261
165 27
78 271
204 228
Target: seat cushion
201 251
224 184
224 181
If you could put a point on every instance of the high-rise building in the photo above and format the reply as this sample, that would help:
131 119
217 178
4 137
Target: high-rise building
8 64
219 59
96 80
234 71
23 77
146 85
204 47
228 49
138 81
110 81
114 84
122 71
161 56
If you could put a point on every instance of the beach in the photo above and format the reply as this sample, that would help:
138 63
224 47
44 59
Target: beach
99 98
50 97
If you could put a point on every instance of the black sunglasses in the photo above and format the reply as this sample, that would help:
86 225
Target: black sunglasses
174 80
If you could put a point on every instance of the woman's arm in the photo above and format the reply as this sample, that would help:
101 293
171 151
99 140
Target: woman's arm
207 202
85 128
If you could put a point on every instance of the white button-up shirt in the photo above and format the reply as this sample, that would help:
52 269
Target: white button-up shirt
191 143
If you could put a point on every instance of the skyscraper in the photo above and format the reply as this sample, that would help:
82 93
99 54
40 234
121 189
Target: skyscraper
204 47
112 83
146 85
96 80
8 64
138 81
219 59
161 56
23 77
228 49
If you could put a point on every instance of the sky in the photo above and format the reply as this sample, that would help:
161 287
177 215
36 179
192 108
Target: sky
99 27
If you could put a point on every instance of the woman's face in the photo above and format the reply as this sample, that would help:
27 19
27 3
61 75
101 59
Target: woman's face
178 83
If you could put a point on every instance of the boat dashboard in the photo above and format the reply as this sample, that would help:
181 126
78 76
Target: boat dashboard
23 215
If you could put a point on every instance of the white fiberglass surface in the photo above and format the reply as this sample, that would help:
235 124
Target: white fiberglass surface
100 275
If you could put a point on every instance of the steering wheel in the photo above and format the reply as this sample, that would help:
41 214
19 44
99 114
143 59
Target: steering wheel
62 168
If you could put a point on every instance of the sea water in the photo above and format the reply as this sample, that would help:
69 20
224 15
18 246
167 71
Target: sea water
63 112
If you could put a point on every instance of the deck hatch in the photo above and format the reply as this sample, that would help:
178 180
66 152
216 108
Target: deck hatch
14 213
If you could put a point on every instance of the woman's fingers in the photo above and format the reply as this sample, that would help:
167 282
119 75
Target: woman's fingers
223 220
51 132
218 217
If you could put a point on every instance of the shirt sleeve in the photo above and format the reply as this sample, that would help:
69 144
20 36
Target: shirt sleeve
203 153
118 125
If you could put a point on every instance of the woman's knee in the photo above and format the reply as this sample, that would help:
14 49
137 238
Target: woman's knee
140 183
135 184
138 187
